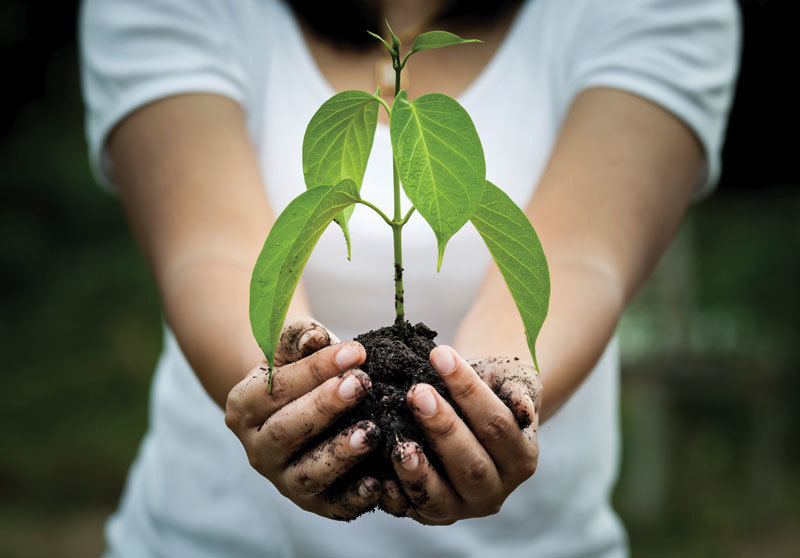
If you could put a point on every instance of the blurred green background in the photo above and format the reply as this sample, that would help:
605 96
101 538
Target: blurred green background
711 354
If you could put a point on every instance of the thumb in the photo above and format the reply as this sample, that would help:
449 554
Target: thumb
301 338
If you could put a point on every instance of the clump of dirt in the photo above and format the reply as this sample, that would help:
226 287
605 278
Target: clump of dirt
397 358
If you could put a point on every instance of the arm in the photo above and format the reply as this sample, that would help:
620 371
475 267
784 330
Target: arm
618 181
612 196
190 183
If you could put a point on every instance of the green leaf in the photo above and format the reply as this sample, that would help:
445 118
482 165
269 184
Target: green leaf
395 39
387 45
285 253
518 253
337 144
438 39
440 161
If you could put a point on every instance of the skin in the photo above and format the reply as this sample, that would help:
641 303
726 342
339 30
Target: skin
616 185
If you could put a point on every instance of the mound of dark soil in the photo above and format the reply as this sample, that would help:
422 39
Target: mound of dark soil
397 358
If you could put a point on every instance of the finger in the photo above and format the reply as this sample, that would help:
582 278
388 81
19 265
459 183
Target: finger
393 501
416 516
292 426
359 498
516 396
318 468
489 418
509 379
427 492
470 469
300 339
250 403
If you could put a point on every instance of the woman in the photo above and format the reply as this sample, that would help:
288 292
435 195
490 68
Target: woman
602 119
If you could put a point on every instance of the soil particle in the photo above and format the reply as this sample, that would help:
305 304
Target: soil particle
354 500
524 418
397 359
398 277
420 492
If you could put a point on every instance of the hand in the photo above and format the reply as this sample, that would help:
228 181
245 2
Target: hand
484 461
313 383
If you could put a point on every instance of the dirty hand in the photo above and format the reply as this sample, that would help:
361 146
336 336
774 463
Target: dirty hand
485 458
313 383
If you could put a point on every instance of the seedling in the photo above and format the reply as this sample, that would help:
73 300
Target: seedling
438 160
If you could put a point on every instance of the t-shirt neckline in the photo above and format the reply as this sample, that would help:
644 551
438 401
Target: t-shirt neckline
473 91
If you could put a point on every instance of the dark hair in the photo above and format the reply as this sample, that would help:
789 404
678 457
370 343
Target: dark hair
345 22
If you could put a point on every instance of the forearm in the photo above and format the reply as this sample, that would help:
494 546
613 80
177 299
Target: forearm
192 189
206 302
585 305
610 200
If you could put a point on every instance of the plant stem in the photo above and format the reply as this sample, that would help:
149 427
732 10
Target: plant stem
397 224
377 210
397 236
408 216
386 106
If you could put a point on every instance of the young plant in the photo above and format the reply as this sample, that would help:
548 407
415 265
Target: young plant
438 159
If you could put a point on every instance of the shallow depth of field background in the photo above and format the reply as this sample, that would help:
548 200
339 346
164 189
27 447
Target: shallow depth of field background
711 378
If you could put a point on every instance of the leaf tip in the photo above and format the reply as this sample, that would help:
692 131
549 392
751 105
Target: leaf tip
389 47
395 39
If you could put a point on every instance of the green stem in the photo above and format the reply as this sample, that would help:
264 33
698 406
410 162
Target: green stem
397 226
408 216
377 210
385 105
397 237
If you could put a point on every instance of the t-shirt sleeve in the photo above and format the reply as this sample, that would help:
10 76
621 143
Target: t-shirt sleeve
134 52
681 54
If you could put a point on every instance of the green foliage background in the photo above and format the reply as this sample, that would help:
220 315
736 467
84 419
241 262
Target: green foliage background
710 380
80 327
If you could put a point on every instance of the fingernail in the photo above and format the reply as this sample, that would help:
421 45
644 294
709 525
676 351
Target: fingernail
529 400
363 490
349 388
443 360
305 338
348 356
392 491
425 402
357 439
533 405
410 460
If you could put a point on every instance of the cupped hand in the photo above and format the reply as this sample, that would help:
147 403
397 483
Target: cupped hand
313 383
485 458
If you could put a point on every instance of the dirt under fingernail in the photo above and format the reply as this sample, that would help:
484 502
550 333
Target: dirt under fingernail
363 490
410 462
393 492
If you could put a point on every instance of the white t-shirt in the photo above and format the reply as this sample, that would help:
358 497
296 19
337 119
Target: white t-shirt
191 491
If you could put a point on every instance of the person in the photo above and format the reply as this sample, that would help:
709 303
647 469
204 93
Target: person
602 119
